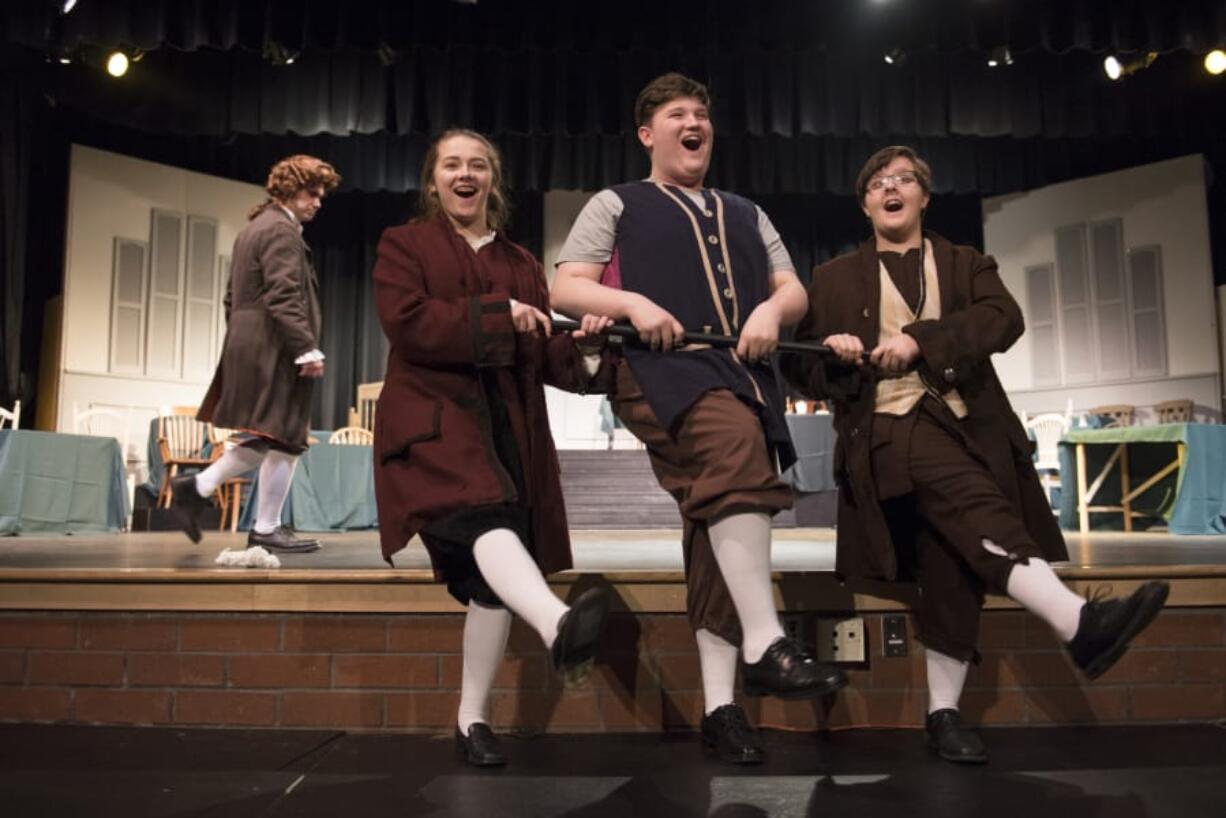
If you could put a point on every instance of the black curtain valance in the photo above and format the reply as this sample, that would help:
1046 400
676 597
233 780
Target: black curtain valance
1055 26
582 94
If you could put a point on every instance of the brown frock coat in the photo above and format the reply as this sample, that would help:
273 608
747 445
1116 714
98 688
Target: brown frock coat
445 309
978 318
272 318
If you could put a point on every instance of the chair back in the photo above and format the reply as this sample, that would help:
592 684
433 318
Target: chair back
1118 414
1047 429
180 434
368 398
1175 411
12 417
352 436
103 422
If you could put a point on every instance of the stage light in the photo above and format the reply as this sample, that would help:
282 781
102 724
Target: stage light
117 64
278 54
1215 61
1000 56
895 56
1117 69
68 6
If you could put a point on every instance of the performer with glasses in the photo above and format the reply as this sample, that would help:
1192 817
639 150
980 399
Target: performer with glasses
936 481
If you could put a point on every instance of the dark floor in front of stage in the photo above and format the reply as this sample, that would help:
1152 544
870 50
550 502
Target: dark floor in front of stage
1121 772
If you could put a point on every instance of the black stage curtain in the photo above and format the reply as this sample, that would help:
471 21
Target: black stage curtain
1057 26
590 94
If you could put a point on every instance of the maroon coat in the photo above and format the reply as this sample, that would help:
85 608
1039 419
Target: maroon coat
978 318
446 312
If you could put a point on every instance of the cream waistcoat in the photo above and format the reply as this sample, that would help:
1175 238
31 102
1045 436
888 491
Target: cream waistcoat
898 396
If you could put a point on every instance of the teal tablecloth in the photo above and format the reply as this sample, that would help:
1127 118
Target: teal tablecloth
333 490
814 438
60 483
1193 501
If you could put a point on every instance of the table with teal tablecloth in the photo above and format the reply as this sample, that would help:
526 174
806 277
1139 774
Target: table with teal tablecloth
60 483
333 490
814 438
1191 497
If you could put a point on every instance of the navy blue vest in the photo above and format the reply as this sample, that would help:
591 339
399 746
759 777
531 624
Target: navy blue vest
708 267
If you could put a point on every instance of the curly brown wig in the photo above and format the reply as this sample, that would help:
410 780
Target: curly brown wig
295 173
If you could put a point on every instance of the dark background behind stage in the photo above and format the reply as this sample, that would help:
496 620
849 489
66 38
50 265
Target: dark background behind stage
801 97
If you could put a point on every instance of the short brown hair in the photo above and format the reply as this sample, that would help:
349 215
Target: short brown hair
879 160
663 90
497 207
295 173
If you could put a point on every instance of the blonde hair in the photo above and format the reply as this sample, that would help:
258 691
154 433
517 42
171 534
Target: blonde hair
497 208
295 173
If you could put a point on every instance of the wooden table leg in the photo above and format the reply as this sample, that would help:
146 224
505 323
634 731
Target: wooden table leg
1082 501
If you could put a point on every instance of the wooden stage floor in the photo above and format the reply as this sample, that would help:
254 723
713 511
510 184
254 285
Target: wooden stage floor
163 570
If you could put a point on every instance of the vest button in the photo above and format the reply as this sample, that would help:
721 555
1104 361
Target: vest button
713 239
949 374
721 267
727 292
707 213
865 313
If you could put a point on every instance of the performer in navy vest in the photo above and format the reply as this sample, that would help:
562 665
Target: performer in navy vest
664 254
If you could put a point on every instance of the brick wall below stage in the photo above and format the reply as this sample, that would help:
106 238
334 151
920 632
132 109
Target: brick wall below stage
402 673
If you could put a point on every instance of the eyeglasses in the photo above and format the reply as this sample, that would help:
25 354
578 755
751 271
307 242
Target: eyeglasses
896 180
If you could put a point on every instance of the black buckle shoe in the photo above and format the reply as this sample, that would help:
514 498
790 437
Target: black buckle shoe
187 505
1107 626
480 748
282 539
726 732
788 672
574 648
951 741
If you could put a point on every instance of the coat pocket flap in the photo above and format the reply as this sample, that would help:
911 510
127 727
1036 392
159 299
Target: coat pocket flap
400 427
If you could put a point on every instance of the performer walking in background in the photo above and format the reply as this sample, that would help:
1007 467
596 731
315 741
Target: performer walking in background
463 451
271 356
935 472
666 253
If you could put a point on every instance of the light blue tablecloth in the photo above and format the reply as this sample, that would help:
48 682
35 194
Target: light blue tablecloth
814 437
60 483
333 490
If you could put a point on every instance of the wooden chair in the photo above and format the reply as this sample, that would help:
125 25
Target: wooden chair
352 436
11 416
1175 411
229 493
1119 414
364 414
1047 430
181 441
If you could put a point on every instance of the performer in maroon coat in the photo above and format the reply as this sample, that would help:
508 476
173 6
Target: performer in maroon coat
463 451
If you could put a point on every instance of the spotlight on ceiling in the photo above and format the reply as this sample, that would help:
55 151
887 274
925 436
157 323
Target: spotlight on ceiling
895 56
67 6
117 64
1117 68
1000 56
1215 61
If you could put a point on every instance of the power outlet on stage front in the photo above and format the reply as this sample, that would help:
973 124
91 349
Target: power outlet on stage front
794 627
841 640
894 635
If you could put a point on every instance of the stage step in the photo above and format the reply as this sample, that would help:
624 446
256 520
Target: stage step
618 489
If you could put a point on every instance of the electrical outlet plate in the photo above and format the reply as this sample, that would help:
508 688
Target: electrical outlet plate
894 635
793 627
841 640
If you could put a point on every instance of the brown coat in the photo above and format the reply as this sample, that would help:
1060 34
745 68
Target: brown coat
272 317
978 318
446 313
